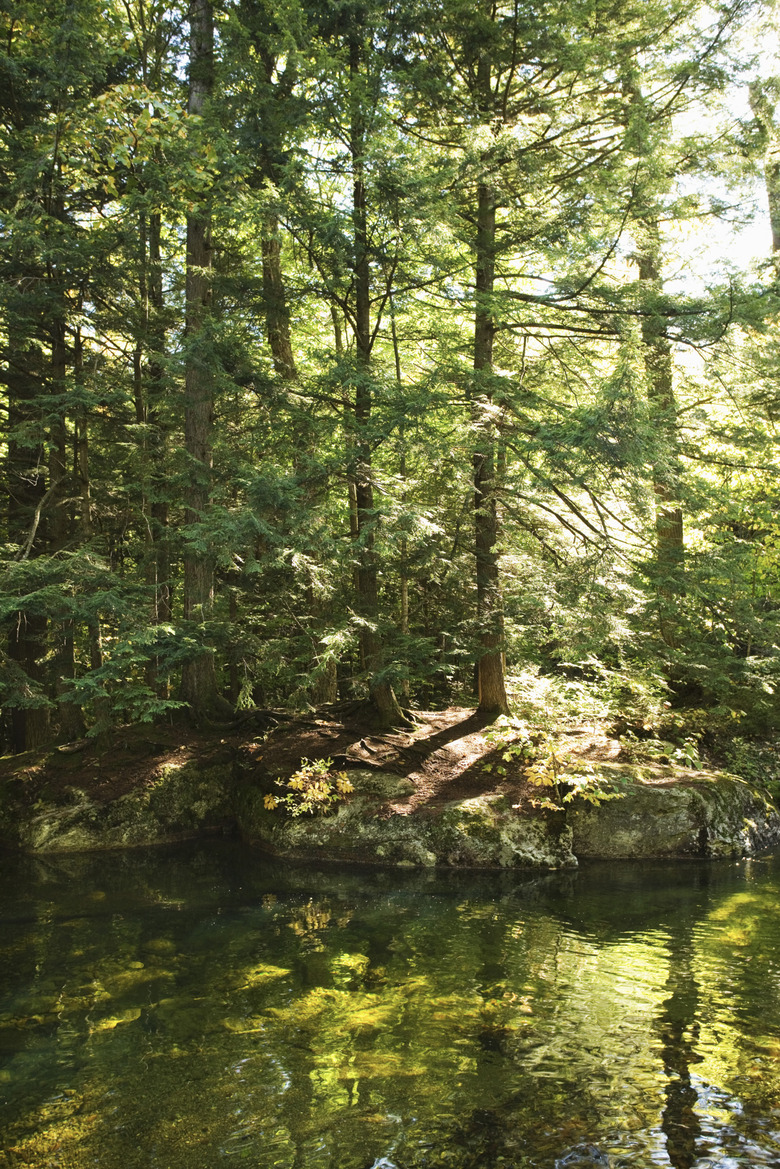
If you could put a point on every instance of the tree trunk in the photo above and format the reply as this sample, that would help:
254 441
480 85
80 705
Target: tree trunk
81 445
26 493
371 644
57 520
764 113
69 714
102 706
657 357
198 684
490 612
277 313
669 543
277 323
158 436
404 546
151 391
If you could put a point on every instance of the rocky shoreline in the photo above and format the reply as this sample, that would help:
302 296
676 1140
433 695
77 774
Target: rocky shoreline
662 812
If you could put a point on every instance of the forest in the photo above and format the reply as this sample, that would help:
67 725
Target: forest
408 353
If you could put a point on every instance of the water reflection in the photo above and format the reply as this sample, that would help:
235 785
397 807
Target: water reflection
206 1007
678 1030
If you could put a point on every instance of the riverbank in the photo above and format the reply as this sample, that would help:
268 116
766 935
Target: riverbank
451 791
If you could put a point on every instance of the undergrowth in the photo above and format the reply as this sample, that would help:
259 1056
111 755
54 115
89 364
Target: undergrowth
311 790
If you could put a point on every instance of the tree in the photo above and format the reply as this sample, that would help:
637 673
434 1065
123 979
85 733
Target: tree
50 76
398 401
198 683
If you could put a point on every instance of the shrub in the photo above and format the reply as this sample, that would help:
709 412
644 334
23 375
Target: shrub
312 789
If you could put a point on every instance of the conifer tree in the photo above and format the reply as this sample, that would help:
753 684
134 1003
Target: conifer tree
199 684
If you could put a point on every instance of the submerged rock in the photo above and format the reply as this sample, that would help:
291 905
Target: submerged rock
582 1156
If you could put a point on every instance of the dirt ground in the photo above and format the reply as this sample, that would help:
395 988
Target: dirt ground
445 754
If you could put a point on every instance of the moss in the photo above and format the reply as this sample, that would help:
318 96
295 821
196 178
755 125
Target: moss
487 832
479 833
384 784
665 811
181 802
708 814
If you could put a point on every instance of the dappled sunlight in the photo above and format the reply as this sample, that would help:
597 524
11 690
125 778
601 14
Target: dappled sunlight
342 1020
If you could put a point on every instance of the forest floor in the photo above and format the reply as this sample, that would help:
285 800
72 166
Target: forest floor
448 754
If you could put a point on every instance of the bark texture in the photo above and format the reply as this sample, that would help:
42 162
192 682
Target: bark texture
764 112
490 613
198 684
367 579
277 312
669 537
26 499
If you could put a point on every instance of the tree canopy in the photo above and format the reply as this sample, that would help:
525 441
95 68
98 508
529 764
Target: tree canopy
361 351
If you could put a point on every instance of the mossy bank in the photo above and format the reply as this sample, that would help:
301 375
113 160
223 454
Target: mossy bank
662 811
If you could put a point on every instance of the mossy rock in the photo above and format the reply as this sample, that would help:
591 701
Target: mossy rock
663 812
673 812
352 831
384 784
181 802
485 832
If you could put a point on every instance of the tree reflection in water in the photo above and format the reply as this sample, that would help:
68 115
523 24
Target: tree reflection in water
344 1021
678 1029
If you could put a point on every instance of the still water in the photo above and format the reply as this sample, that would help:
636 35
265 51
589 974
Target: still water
199 1007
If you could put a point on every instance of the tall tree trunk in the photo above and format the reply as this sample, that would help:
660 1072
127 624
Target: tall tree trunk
26 496
57 520
69 714
490 611
669 542
277 323
102 706
371 644
404 544
81 444
158 435
277 312
657 357
764 113
324 688
151 389
198 685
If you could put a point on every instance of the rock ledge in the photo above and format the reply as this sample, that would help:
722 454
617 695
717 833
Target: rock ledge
663 812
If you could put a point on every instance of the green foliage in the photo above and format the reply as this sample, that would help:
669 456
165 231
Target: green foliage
756 761
539 753
417 109
567 781
652 750
119 690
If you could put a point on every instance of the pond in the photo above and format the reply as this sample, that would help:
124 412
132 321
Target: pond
204 1006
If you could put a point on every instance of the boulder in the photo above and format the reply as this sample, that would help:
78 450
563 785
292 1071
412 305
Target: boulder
482 832
667 811
180 803
660 812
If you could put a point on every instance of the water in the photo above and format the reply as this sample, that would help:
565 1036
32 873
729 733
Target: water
203 1007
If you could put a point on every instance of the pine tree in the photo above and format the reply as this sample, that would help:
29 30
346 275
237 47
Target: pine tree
199 683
